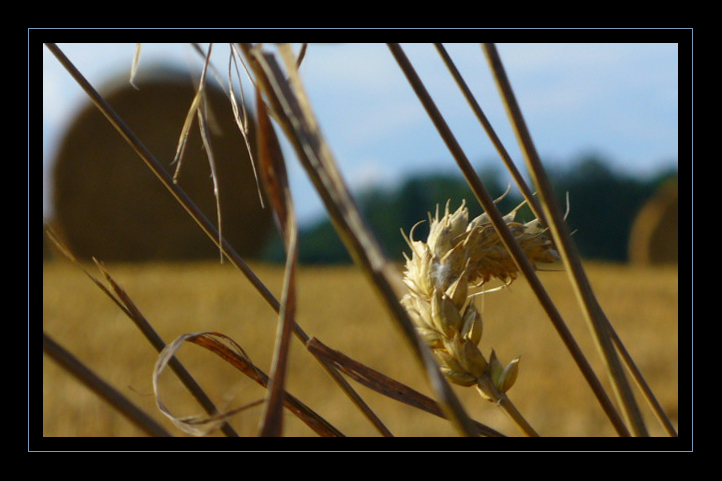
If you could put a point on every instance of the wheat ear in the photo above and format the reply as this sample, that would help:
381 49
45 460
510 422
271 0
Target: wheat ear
457 254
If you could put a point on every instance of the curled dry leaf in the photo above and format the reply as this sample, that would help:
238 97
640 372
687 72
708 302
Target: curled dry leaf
201 424
231 352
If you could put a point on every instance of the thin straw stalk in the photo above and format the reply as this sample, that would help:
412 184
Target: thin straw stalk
509 408
642 384
275 180
91 380
513 247
596 319
508 162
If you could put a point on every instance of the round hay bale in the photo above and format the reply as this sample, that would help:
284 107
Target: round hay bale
655 232
108 203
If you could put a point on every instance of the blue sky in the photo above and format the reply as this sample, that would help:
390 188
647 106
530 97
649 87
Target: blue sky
616 100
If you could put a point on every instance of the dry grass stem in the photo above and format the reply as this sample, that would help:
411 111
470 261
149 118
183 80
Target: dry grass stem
498 145
275 181
384 384
101 388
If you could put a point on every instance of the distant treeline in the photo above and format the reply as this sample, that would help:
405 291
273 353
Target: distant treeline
603 205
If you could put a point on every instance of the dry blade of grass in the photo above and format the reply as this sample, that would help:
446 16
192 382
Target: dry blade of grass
198 109
196 425
231 352
384 384
241 114
275 181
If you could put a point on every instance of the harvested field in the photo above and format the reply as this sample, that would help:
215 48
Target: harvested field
337 305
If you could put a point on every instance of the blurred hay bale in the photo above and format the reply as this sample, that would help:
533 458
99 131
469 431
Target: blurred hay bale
655 232
108 203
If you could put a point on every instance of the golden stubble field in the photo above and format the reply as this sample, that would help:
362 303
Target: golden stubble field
338 306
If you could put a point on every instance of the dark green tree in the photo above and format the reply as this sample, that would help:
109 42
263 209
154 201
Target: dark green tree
603 205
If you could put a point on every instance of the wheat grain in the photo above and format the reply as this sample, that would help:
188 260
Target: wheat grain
460 254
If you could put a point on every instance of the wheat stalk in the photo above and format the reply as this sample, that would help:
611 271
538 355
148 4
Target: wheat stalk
458 255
